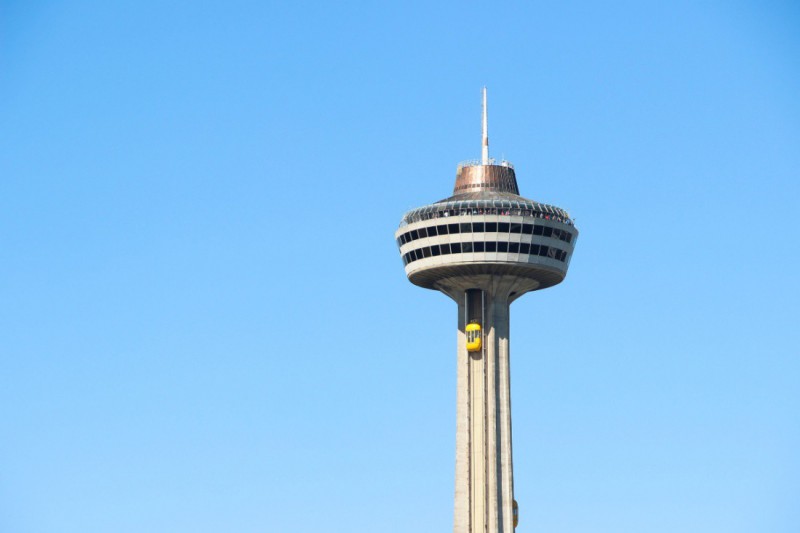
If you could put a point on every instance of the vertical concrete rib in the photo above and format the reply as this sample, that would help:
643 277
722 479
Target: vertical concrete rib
500 451
478 397
505 464
490 350
461 515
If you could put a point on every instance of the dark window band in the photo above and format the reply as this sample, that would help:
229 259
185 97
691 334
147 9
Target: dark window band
467 247
488 227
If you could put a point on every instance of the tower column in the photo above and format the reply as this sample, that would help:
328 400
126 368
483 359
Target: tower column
484 484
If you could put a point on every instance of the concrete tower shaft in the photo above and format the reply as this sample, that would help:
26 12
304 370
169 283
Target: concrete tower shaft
484 247
484 481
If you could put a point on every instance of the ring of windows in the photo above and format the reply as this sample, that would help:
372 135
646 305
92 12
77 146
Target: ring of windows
466 247
484 227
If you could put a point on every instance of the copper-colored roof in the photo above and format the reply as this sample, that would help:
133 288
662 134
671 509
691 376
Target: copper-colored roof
480 178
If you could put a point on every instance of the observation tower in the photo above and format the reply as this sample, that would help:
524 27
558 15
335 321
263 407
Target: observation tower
484 247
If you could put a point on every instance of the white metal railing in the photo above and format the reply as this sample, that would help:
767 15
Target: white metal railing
478 162
544 212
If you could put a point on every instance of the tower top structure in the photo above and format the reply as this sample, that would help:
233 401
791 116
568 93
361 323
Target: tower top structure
486 199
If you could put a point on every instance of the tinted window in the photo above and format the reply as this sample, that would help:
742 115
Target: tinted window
537 230
527 229
422 233
456 247
534 249
478 246
543 250
491 226
513 247
434 250
502 227
524 248
502 246
466 227
426 252
552 252
466 247
477 227
568 236
414 235
441 230
452 228
432 231
548 232
556 233
516 228
445 249
491 246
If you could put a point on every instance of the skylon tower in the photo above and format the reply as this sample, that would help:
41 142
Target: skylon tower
484 247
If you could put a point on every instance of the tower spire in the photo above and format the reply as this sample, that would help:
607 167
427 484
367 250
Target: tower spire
485 136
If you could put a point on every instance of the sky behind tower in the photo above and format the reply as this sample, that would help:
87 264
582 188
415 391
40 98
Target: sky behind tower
205 321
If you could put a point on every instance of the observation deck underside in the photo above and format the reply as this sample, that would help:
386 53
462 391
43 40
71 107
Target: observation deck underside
465 276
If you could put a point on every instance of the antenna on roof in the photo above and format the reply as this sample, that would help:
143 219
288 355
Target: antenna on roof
485 124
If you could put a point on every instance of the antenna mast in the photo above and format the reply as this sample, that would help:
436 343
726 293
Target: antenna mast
485 124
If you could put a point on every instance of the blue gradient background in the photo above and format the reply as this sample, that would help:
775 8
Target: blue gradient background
205 324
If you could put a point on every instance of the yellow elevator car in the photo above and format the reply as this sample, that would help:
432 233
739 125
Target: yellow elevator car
473 337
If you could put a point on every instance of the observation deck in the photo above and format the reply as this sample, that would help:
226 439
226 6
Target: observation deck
486 229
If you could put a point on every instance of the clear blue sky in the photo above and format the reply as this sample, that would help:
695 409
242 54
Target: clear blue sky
201 301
